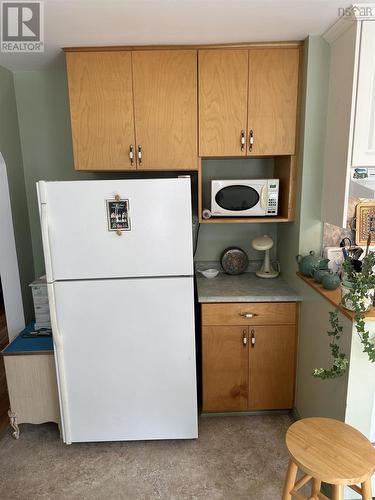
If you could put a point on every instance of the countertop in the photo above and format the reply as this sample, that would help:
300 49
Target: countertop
29 345
246 287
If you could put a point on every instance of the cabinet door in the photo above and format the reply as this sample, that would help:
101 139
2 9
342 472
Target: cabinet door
225 368
223 76
364 124
165 107
101 109
271 367
273 89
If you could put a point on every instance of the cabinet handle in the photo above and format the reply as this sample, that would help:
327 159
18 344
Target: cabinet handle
243 140
131 154
248 315
140 154
251 140
253 338
244 338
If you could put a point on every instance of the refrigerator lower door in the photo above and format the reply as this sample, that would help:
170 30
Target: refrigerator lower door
125 352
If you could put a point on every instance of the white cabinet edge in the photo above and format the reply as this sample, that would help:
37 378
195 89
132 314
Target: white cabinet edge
9 271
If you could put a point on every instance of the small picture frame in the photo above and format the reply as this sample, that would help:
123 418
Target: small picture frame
118 217
365 223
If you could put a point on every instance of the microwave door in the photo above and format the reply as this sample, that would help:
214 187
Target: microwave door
240 200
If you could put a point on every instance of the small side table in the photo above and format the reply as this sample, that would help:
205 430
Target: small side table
31 378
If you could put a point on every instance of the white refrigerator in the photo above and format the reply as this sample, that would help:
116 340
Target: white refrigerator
119 265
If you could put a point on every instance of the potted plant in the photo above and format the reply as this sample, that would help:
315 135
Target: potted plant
358 284
357 294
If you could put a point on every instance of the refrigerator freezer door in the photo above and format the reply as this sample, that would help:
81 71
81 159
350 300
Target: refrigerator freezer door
125 356
154 239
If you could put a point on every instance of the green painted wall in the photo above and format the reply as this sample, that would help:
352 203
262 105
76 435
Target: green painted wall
313 396
44 123
306 233
10 148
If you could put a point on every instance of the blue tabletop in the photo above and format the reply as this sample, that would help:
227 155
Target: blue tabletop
22 345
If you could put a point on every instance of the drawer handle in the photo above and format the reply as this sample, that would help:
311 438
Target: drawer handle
248 315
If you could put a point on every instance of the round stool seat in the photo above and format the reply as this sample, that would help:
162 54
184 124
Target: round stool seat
331 451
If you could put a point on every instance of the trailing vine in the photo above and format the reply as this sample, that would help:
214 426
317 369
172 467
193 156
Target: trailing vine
360 288
340 361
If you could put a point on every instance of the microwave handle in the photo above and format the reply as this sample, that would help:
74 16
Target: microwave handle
264 197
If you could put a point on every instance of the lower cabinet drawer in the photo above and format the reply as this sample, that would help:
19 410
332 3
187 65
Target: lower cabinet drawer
254 313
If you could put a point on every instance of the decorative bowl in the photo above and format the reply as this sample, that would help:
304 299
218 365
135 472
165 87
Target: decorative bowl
209 273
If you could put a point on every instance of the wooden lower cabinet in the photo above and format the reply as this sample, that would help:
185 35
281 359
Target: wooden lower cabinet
225 368
271 367
249 366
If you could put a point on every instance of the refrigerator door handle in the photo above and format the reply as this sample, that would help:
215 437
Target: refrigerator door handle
57 338
60 367
46 245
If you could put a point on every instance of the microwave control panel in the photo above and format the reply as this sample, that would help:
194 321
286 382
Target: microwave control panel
273 197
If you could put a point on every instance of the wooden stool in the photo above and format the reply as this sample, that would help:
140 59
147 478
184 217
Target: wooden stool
330 451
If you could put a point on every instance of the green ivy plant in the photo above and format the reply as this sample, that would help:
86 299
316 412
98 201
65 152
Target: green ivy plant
340 361
361 287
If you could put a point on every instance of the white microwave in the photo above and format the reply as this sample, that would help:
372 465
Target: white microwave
255 197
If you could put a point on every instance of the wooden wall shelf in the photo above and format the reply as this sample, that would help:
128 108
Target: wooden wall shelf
239 220
334 297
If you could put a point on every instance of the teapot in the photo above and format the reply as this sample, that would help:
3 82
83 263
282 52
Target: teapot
308 263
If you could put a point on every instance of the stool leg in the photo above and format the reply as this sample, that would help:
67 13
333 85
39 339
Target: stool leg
366 490
290 480
315 488
337 492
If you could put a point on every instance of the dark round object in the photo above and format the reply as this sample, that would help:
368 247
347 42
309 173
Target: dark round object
234 260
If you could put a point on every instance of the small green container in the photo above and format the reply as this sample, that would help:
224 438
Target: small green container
319 275
330 281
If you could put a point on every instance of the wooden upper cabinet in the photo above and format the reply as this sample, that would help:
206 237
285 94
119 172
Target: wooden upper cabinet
101 109
223 86
225 366
165 106
272 108
271 367
251 90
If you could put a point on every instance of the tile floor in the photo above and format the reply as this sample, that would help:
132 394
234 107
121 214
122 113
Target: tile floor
234 458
